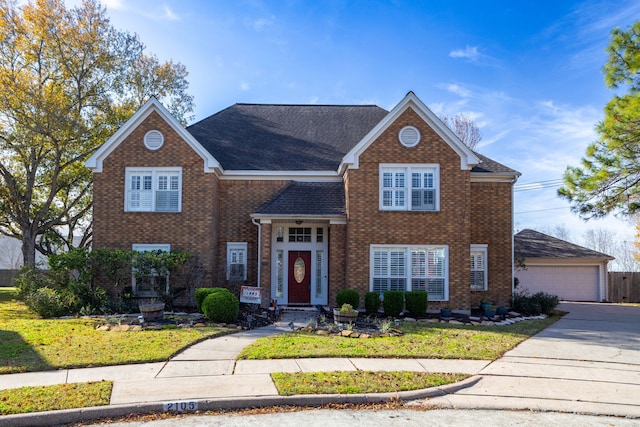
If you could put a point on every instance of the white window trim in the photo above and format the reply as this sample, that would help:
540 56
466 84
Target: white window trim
155 172
407 168
146 247
407 251
484 250
233 246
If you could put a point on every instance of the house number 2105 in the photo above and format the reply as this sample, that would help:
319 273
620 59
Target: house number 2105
183 406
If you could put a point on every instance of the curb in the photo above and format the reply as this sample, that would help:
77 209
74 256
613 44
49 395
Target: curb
68 416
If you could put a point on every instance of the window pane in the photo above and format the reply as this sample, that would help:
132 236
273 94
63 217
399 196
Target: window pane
435 288
147 182
387 180
162 182
135 182
166 201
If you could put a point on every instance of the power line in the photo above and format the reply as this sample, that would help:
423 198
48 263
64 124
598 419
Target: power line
540 210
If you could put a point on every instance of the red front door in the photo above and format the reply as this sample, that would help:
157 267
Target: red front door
300 277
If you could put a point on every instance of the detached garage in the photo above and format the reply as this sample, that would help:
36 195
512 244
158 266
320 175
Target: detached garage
557 267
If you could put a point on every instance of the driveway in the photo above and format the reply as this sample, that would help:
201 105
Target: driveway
587 362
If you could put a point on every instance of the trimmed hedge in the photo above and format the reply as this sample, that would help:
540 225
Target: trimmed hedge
348 296
202 293
417 302
393 303
537 303
221 307
372 302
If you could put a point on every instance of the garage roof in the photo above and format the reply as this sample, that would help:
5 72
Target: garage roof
533 244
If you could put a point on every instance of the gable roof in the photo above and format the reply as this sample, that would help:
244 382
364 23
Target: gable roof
153 105
533 244
468 158
304 199
274 137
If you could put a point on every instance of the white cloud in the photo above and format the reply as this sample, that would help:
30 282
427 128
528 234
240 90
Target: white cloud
114 4
244 86
170 14
470 52
262 23
459 90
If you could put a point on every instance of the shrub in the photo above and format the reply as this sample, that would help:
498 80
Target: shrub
202 293
46 302
222 307
540 302
417 302
348 296
393 303
546 301
372 302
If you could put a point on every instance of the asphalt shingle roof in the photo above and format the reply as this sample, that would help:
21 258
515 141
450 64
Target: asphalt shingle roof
491 166
533 244
285 137
307 198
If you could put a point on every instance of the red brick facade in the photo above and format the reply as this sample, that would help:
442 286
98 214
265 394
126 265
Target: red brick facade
217 210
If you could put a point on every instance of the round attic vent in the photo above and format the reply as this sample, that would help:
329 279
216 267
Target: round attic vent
153 139
409 136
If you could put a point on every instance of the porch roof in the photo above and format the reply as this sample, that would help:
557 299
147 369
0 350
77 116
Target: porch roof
304 199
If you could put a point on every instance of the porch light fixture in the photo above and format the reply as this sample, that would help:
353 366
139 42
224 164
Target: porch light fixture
298 221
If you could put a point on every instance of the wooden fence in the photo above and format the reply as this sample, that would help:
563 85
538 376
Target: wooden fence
624 287
7 276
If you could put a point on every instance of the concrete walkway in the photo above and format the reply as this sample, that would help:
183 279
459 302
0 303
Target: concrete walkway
588 362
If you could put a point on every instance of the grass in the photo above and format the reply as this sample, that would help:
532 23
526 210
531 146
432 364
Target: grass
33 344
429 341
54 397
289 384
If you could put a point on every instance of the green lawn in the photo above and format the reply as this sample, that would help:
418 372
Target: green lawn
289 384
33 344
431 341
54 397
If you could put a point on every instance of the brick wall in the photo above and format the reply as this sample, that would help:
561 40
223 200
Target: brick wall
238 200
450 226
193 229
491 224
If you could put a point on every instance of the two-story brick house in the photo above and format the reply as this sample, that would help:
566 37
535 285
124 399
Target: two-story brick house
306 200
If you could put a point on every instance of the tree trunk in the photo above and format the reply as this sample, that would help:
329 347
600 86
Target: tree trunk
28 248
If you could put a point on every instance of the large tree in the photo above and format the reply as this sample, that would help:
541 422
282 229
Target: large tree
609 178
68 80
465 128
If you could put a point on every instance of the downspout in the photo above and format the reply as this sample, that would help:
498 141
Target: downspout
253 221
513 243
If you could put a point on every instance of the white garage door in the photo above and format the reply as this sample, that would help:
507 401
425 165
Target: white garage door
569 283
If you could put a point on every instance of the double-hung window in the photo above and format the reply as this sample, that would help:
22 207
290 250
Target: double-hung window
478 268
409 187
153 190
237 261
410 268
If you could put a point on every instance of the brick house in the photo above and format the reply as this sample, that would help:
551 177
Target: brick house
306 200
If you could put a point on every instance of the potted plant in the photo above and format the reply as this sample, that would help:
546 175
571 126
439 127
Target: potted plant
485 301
152 310
502 311
490 311
445 311
346 314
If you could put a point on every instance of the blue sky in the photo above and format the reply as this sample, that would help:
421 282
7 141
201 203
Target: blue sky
528 72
